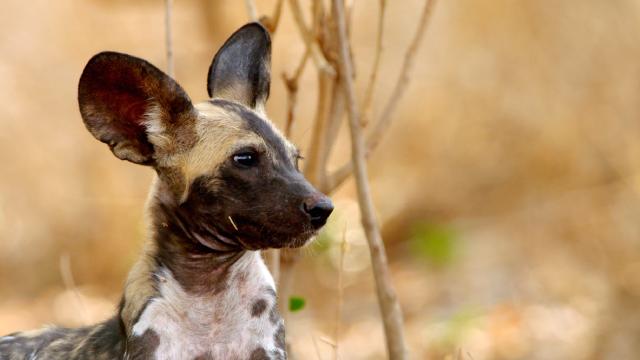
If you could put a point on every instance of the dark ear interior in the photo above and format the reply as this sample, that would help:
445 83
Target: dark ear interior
117 92
240 71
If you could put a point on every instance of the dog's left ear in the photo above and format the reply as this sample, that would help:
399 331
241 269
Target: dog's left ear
240 71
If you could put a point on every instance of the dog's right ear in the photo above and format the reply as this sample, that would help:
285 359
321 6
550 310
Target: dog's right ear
122 98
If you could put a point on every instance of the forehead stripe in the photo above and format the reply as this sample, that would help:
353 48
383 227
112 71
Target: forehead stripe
257 125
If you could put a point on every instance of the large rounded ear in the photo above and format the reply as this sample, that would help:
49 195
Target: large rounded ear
122 98
240 71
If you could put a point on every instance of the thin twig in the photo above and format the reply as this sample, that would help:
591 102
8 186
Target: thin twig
291 84
349 5
168 35
271 22
337 177
70 285
389 306
403 80
315 345
292 97
335 116
348 13
327 341
373 139
313 162
368 95
316 52
252 10
317 8
343 250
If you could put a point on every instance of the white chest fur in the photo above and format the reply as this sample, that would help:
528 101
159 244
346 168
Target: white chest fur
235 323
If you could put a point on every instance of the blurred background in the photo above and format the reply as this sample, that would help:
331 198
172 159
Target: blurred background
508 186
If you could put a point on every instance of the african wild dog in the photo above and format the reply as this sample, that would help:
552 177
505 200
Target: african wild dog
227 185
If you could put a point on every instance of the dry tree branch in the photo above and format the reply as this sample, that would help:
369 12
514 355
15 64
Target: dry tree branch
168 35
343 250
315 346
336 113
70 285
403 80
311 44
348 13
252 10
368 95
271 22
313 162
291 84
340 175
317 8
389 306
373 139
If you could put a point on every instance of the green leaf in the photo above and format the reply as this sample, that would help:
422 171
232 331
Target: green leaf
434 243
296 303
323 242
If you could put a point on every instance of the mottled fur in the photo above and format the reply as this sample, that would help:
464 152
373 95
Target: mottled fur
200 290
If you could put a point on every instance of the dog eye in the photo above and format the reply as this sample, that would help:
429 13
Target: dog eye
246 159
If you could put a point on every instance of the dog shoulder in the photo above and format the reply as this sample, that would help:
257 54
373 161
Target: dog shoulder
102 341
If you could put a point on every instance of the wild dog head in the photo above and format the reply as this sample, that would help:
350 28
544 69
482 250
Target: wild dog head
221 163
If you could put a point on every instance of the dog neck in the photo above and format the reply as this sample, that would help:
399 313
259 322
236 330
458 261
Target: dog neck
195 291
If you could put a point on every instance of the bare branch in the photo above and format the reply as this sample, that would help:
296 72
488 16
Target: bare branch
315 345
335 115
70 285
403 80
292 98
373 139
318 14
316 52
168 36
271 22
348 13
343 250
291 84
313 164
389 306
337 177
252 10
368 96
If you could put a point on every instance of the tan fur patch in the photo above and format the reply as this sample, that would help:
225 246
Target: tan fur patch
140 286
219 134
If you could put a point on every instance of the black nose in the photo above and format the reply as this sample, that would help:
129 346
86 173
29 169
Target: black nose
318 209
